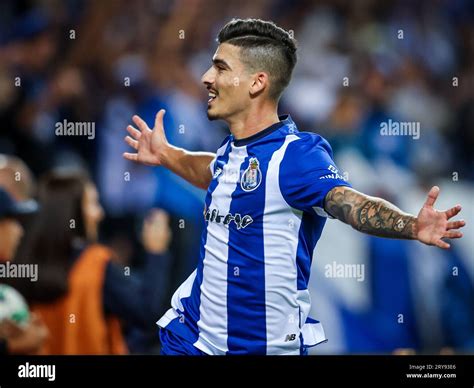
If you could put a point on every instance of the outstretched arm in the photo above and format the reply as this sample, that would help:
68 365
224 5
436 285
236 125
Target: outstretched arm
153 149
379 217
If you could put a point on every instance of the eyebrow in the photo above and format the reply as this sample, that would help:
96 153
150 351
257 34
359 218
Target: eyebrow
218 61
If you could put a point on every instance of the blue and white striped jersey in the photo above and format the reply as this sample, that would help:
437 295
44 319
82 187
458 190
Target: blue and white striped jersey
264 214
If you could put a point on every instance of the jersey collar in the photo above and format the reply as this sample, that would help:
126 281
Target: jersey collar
284 120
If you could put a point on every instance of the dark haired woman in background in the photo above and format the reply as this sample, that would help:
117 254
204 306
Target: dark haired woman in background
81 294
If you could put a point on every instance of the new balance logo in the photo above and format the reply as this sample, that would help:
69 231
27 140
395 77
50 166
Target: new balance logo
290 337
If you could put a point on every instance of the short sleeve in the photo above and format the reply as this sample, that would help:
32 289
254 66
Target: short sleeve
308 173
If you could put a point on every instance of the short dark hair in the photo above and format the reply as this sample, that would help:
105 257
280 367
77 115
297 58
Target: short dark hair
264 47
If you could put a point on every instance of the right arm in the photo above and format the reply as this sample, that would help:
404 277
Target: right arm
191 166
153 149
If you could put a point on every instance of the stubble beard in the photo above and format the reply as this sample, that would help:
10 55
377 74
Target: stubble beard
212 116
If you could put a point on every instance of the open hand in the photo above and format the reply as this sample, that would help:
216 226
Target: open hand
150 144
434 225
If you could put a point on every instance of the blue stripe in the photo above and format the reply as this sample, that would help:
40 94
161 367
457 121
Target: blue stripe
310 230
246 267
303 349
191 304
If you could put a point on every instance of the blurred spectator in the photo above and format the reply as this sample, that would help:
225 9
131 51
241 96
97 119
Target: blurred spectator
16 338
16 178
81 293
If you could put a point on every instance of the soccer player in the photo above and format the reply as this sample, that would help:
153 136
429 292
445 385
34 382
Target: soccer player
269 191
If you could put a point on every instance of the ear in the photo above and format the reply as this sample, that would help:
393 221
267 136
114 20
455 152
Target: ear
259 83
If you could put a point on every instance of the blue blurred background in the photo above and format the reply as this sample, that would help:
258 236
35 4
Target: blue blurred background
360 63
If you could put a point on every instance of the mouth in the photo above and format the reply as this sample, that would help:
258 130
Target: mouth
212 96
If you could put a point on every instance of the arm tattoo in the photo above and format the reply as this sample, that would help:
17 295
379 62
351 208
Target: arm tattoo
370 215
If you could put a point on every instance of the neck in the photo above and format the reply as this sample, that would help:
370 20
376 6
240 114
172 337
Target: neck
254 120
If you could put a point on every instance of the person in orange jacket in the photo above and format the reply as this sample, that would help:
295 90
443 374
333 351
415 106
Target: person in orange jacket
82 294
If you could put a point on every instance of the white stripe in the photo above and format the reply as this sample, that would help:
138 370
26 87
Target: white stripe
213 308
184 291
219 152
167 318
281 226
313 333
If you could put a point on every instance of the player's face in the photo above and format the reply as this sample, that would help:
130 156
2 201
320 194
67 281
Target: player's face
11 233
92 211
228 84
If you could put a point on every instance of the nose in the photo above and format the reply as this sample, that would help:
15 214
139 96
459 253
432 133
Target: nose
208 77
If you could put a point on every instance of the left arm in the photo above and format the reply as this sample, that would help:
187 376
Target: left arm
379 217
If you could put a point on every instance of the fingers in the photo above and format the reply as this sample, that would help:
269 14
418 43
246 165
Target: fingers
11 328
135 133
130 156
140 123
131 142
453 211
455 224
432 196
159 118
453 234
442 244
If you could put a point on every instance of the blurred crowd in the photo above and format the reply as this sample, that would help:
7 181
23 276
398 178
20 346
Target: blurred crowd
360 63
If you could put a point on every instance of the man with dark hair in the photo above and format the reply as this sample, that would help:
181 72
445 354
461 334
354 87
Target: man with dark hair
264 47
269 191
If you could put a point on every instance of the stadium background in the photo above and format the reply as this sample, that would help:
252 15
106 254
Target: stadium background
361 63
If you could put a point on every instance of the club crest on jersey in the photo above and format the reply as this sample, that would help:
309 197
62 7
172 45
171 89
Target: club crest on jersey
252 176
